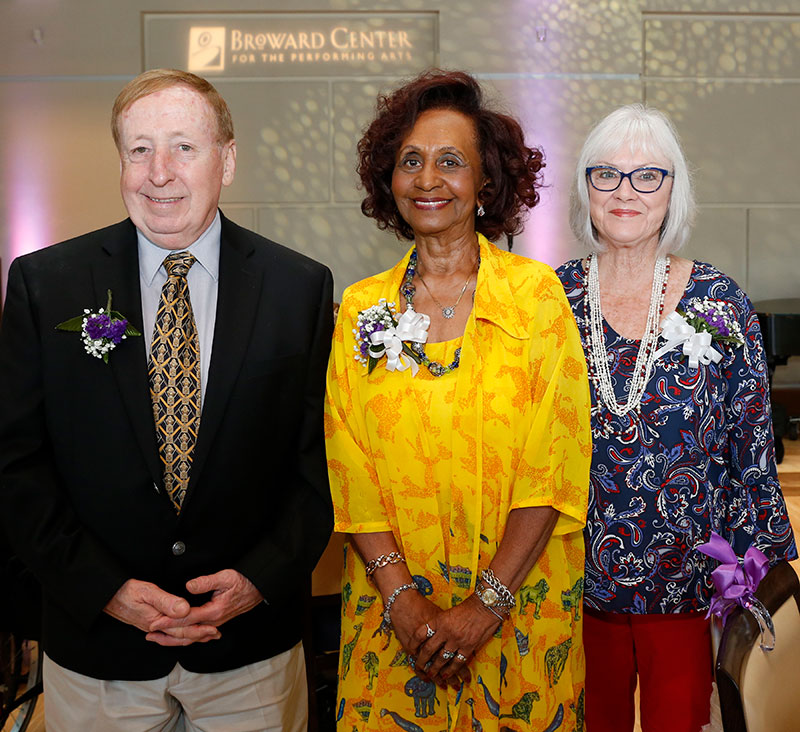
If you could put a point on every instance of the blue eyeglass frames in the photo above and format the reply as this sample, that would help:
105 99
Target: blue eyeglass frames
643 180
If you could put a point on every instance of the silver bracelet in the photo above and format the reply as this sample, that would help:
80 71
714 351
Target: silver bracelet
387 607
494 612
382 561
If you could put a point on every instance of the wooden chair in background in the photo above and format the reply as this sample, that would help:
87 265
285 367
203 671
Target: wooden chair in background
759 691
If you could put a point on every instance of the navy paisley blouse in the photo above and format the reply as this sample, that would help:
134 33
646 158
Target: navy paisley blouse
699 457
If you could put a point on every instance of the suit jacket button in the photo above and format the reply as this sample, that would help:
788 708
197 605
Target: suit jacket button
178 548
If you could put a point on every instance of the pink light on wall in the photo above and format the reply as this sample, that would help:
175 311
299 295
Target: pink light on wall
26 172
28 226
537 100
542 98
547 236
27 169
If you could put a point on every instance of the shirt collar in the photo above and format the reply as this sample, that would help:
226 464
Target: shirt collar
495 301
205 251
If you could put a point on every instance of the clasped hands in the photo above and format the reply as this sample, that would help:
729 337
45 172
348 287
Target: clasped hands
170 620
442 642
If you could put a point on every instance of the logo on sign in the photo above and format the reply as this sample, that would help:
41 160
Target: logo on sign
206 49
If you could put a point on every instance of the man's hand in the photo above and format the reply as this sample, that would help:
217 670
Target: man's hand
145 605
232 595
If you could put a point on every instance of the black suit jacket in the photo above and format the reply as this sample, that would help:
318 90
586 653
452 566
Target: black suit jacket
80 476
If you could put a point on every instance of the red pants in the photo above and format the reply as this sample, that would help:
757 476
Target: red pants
671 655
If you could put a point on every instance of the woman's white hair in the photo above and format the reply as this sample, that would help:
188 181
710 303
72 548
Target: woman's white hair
640 130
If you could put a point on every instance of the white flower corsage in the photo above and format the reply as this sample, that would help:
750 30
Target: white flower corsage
380 333
704 322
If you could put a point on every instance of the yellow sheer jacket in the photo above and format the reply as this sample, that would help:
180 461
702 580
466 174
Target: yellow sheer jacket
440 463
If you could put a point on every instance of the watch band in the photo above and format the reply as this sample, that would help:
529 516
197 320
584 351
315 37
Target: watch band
499 597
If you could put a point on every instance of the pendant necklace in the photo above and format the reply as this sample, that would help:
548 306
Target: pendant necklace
599 371
450 310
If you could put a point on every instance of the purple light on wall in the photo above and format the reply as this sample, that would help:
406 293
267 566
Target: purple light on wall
546 237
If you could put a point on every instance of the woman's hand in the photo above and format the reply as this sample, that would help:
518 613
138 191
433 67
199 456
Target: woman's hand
460 631
410 612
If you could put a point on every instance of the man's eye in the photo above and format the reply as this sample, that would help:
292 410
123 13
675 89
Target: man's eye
139 150
184 147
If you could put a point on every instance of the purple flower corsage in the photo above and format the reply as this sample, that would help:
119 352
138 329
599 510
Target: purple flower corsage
714 317
703 323
101 332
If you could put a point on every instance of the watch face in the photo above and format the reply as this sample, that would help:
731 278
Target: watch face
489 597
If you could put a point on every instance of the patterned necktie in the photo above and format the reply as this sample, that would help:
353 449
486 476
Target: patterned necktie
174 371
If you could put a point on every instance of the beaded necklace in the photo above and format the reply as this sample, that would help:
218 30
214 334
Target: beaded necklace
599 371
408 290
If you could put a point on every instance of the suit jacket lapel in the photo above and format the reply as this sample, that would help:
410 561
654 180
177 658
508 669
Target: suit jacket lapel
238 294
117 269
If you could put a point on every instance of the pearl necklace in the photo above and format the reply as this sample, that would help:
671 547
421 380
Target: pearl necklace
600 374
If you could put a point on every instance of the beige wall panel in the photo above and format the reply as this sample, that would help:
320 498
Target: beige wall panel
740 137
560 65
86 37
341 237
95 37
727 46
721 6
774 265
246 216
353 109
558 36
282 137
720 237
60 169
602 36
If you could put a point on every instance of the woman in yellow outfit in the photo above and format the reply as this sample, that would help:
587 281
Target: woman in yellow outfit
458 438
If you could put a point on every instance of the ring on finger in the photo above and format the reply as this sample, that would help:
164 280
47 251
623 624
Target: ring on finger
447 655
429 632
461 657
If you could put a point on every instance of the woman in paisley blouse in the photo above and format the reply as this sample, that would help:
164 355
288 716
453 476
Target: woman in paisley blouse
683 440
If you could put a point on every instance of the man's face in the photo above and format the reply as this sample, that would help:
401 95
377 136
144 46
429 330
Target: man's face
172 165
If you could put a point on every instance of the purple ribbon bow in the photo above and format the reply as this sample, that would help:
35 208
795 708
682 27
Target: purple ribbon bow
736 583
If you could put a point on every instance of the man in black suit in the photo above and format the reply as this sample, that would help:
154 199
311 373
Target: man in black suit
174 560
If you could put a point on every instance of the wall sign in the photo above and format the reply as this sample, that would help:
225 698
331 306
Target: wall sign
291 44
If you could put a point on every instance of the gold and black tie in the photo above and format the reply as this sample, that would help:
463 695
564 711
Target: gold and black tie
174 371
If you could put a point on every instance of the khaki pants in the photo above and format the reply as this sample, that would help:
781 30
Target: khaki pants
268 695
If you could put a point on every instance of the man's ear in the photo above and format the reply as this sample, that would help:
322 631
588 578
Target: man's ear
228 162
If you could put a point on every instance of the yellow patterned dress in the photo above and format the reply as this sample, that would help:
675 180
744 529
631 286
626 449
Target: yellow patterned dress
440 462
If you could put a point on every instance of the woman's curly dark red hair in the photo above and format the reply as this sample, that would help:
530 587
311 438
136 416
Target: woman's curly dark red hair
513 169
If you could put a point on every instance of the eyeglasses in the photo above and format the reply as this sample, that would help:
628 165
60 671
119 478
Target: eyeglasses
644 180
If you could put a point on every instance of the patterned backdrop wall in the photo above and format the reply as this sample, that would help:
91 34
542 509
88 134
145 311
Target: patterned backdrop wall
727 71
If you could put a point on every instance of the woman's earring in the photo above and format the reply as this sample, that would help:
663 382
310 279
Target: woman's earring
481 210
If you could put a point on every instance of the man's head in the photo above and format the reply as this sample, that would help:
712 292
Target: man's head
175 140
